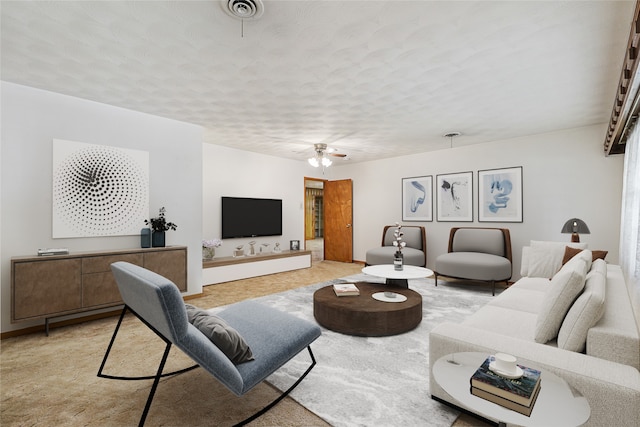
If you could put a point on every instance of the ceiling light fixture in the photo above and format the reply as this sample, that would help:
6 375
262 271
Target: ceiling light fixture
320 158
451 135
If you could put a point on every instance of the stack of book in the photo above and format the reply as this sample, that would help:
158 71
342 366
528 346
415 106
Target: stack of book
346 289
517 394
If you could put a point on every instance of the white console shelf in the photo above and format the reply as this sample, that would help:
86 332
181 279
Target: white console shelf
226 269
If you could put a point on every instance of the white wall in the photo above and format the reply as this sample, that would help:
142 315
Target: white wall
565 175
236 173
32 118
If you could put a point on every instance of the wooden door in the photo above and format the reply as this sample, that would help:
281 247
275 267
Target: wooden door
338 217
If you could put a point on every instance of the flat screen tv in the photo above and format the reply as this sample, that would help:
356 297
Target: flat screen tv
250 217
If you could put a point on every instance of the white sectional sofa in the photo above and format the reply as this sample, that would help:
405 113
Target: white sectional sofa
580 325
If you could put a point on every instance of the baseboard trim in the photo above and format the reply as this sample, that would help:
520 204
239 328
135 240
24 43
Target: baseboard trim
60 324
75 321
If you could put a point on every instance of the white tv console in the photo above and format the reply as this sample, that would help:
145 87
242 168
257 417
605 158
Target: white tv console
226 269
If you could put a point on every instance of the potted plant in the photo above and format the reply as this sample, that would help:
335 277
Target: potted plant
159 225
209 248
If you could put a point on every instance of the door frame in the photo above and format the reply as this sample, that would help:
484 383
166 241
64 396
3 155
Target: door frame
308 178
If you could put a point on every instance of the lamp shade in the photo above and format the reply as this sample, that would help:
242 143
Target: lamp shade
575 226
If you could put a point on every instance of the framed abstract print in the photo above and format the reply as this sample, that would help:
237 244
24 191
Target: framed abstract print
500 195
417 198
455 196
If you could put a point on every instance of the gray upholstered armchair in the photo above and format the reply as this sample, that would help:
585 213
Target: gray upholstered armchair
274 337
477 253
415 253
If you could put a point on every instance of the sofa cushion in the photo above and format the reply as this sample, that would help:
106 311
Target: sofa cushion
570 252
616 336
492 318
564 287
585 311
544 258
227 339
520 299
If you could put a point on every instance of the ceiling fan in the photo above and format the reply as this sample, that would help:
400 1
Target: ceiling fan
321 155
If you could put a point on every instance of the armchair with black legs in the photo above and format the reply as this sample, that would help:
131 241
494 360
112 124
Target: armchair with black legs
274 337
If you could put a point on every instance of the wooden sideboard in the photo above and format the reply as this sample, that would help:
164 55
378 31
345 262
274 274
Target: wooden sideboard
53 286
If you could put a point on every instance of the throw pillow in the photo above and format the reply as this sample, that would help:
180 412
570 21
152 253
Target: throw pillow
581 260
570 252
524 263
227 339
545 258
563 289
586 311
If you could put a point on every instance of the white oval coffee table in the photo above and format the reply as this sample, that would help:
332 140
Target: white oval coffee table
397 277
558 404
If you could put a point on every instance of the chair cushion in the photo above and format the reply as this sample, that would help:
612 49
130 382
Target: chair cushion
585 311
564 287
384 255
488 241
473 265
227 339
412 236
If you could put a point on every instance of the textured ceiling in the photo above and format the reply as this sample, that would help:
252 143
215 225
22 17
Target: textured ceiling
372 79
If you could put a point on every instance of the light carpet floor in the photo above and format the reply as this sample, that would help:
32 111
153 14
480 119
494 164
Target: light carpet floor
363 381
47 381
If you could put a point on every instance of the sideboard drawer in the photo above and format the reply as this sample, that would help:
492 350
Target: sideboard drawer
99 264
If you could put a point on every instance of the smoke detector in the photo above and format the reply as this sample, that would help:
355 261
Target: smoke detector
243 9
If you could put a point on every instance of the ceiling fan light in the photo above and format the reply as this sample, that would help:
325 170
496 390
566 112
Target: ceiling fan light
313 162
326 162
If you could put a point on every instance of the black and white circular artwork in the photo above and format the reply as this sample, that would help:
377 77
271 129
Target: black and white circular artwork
98 190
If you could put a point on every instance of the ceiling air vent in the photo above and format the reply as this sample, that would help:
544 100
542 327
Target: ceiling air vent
243 9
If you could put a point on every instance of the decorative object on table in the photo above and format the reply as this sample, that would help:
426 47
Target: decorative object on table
389 297
238 251
414 253
399 244
159 225
417 198
575 227
500 195
509 404
277 249
264 248
500 380
454 195
252 248
346 289
209 248
294 245
98 190
53 251
145 238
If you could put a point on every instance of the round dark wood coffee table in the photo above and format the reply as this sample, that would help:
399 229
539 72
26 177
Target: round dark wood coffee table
363 315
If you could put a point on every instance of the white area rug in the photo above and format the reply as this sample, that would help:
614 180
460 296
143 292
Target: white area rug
382 381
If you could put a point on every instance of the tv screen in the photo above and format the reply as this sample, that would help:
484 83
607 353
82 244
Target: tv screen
249 217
